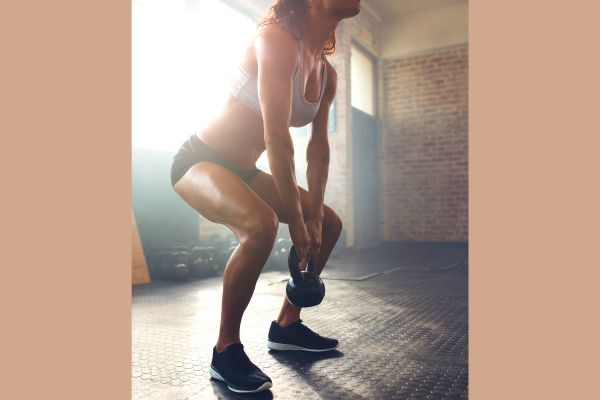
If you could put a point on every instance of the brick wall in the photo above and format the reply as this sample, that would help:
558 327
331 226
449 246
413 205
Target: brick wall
425 146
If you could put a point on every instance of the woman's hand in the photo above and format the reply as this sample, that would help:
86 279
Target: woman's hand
300 239
315 230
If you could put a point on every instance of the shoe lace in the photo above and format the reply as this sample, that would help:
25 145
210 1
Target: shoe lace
306 330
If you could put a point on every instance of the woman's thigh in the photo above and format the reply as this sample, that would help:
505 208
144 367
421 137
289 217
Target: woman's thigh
264 186
222 197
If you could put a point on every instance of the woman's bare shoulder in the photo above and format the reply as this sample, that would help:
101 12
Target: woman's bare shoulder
276 41
276 32
275 35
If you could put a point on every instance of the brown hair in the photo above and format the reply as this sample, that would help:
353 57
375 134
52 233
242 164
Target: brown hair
292 13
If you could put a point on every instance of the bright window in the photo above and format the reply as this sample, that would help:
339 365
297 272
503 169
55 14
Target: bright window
183 55
362 80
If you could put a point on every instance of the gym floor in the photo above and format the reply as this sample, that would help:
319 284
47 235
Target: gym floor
399 312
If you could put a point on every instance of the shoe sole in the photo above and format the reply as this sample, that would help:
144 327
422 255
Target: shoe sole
214 374
283 346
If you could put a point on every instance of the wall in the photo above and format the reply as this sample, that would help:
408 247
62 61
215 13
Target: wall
425 146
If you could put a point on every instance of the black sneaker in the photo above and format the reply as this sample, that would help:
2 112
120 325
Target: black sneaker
233 367
297 336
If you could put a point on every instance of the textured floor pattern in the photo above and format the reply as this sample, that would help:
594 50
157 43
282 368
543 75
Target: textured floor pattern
402 326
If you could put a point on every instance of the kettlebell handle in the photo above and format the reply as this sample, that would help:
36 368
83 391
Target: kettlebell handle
293 265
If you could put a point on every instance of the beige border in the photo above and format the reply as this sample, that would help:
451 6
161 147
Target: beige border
66 205
534 200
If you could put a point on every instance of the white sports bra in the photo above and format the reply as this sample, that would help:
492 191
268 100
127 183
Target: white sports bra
244 88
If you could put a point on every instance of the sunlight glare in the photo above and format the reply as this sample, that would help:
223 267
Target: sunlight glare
182 61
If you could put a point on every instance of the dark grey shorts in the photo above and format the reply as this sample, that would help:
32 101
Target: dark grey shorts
193 151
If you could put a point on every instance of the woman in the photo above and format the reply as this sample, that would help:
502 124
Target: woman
284 80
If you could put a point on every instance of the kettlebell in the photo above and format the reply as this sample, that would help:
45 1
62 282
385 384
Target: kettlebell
304 288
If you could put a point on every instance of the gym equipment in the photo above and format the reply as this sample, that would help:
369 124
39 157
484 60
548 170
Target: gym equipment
304 288
280 249
278 257
180 272
203 264
180 264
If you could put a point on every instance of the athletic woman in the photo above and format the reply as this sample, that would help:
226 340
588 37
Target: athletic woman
283 80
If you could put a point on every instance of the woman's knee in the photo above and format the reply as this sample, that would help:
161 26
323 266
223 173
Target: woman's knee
260 227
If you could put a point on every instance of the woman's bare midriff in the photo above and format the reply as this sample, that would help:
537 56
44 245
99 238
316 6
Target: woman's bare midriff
236 134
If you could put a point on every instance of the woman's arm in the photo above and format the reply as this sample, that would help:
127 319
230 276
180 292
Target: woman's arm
317 152
277 58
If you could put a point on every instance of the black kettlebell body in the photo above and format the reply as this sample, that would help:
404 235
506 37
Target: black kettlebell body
304 288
